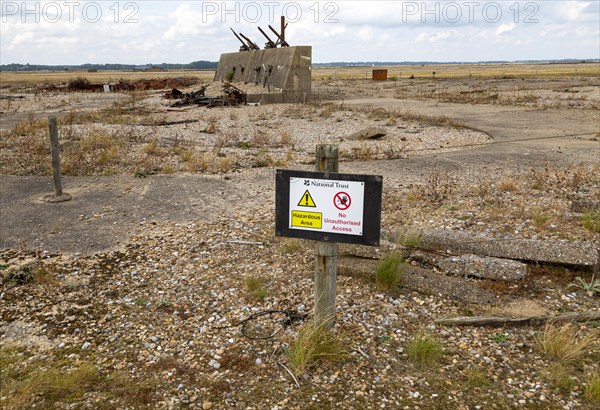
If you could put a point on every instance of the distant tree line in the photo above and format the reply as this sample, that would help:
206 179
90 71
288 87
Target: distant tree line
196 65
393 63
212 65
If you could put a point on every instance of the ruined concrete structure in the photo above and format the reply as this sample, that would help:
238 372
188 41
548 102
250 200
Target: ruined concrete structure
285 73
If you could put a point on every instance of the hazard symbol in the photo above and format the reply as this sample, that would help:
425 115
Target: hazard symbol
307 200
342 201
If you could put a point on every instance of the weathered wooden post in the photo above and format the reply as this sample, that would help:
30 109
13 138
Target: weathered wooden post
55 148
326 252
59 195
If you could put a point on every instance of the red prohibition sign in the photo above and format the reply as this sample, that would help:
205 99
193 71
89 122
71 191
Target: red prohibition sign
342 201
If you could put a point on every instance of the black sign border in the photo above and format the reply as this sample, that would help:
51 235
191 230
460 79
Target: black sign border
371 209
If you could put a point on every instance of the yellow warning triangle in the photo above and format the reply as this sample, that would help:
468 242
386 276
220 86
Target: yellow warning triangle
307 200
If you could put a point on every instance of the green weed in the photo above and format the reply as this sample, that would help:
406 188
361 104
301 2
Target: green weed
389 272
425 349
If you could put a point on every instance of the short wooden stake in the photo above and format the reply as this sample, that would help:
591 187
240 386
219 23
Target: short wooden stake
326 252
59 195
55 148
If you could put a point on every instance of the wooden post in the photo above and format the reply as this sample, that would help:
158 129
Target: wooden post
55 148
59 195
325 252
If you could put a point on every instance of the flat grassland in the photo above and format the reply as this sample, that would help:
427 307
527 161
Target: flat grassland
537 70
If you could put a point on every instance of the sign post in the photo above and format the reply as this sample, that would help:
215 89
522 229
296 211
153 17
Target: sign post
329 208
325 252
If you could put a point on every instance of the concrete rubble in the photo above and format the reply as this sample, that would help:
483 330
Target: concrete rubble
564 252
420 280
483 267
585 205
368 133
474 266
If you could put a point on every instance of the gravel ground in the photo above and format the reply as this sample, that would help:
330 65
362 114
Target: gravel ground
158 318
158 310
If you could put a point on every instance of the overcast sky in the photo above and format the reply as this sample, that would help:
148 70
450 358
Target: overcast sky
140 32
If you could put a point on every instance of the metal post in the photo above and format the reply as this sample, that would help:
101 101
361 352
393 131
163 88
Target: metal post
326 252
55 148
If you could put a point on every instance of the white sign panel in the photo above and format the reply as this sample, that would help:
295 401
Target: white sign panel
324 205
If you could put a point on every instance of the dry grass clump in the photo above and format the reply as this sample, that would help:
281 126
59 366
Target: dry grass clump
507 185
592 388
570 178
292 246
539 218
47 385
26 384
212 126
316 344
560 377
566 343
409 237
285 139
424 349
477 377
438 186
260 139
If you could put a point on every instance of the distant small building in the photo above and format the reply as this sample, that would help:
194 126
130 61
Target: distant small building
380 75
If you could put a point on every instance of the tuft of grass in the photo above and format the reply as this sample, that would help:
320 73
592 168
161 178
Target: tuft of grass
316 344
225 164
591 221
409 238
256 287
138 393
499 337
507 185
592 387
292 246
49 385
539 218
424 349
151 147
565 344
285 139
168 169
140 302
477 377
389 272
559 377
438 186
29 273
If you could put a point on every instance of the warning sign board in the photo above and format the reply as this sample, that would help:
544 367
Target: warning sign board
328 207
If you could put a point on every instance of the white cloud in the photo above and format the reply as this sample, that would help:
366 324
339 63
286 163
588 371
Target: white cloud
184 31
505 28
